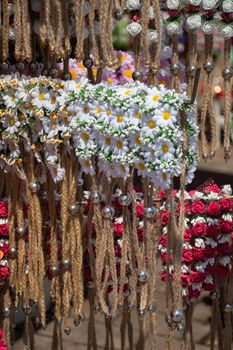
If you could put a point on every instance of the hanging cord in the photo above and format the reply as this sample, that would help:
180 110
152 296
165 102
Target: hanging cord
28 335
5 321
79 8
228 299
92 33
26 44
59 51
105 8
175 68
57 337
65 18
144 42
188 342
18 29
155 64
207 102
4 31
227 74
192 41
91 341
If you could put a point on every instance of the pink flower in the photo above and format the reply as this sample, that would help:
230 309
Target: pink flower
221 271
118 229
197 207
187 255
197 277
212 230
224 249
140 209
185 280
226 204
163 240
4 230
226 226
3 209
187 234
165 217
214 209
194 293
199 229
212 188
208 287
4 272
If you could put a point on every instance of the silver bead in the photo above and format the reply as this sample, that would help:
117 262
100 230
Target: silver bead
13 252
191 71
44 195
143 276
4 66
54 73
6 311
66 264
27 309
21 231
67 76
175 68
125 199
181 327
228 308
208 66
214 295
73 209
152 308
178 315
90 285
108 212
67 331
96 197
80 182
11 9
149 212
34 187
141 313
20 66
211 155
53 270
88 62
137 75
33 66
12 33
227 73
77 322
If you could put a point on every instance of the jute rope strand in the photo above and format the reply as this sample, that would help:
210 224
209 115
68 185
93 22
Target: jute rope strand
6 320
227 100
26 31
192 41
50 35
207 104
175 81
144 33
126 325
28 336
79 8
113 60
91 341
67 45
155 64
227 341
18 29
92 33
5 31
59 51
57 337
141 339
105 7
188 343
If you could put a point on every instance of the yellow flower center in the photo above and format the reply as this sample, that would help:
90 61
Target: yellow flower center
138 115
138 141
54 116
128 73
12 121
162 82
86 110
85 136
109 80
166 115
21 117
98 110
81 66
53 124
73 74
165 148
121 58
127 92
42 96
151 124
120 118
109 112
55 171
78 86
155 98
108 141
119 145
141 166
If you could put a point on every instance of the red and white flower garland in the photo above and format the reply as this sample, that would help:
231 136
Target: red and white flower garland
4 246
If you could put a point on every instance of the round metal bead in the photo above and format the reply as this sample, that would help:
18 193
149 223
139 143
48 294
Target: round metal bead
152 308
90 285
214 295
137 75
66 264
73 209
119 15
143 276
11 9
77 322
11 34
227 73
191 71
4 66
67 76
6 311
54 73
21 231
53 270
125 199
44 71
33 66
208 66
178 315
20 66
211 155
108 212
96 197
34 187
141 313
13 252
181 327
27 309
149 212
44 195
228 308
67 331
175 68
88 62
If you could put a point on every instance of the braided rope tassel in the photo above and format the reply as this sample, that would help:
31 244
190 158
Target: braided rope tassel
227 74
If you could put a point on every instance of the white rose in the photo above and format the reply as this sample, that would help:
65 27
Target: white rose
152 36
227 32
134 28
195 2
173 4
173 28
133 5
194 22
208 27
227 6
209 4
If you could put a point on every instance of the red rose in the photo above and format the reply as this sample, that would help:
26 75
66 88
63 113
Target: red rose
212 188
212 230
4 230
187 255
140 233
210 253
163 240
3 209
226 226
4 272
199 229
165 217
186 208
214 209
5 249
2 343
118 229
164 257
185 280
187 234
198 254
209 269
208 287
197 207
194 293
197 277
226 204
162 194
224 249
221 271
140 210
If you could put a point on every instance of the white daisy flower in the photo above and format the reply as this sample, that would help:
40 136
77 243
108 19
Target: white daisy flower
56 172
165 116
87 166
118 119
40 97
10 100
165 149
148 126
152 98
